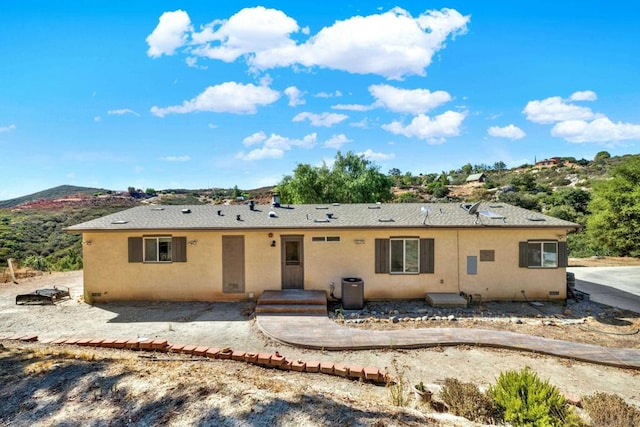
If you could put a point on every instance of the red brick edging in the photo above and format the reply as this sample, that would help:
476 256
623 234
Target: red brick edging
265 360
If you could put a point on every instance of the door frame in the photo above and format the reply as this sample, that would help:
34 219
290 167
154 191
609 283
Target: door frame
285 276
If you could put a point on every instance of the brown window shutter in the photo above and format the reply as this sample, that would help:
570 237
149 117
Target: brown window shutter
523 260
563 254
382 256
135 249
179 249
427 257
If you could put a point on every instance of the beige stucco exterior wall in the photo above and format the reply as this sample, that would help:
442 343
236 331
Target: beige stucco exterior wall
108 273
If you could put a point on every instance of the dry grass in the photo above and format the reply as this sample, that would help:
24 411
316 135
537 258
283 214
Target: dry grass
42 385
610 410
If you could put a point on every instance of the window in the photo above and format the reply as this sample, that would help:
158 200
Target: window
325 239
405 258
157 249
154 249
541 254
405 254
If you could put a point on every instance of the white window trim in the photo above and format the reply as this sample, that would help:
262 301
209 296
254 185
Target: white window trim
542 252
404 253
158 260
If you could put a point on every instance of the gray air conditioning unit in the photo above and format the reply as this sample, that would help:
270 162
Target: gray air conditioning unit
352 293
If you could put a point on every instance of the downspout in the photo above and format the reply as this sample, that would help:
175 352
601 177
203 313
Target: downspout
458 249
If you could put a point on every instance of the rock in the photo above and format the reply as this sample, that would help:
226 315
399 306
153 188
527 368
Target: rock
394 319
516 320
422 311
438 318
572 399
451 318
425 318
567 312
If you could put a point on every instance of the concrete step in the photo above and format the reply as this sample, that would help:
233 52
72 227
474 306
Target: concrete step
293 296
292 308
439 299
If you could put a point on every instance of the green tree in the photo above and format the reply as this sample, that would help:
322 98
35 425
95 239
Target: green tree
615 221
601 157
467 169
351 179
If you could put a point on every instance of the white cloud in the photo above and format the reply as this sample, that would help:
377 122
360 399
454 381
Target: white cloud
372 155
555 109
97 119
251 31
176 158
434 131
510 131
261 153
324 119
274 146
585 95
353 107
295 96
7 128
212 126
414 101
122 112
170 34
337 141
254 139
392 44
599 130
336 94
229 97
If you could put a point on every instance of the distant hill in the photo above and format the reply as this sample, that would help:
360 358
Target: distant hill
52 193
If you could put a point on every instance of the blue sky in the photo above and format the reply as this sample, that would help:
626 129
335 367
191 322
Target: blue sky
189 94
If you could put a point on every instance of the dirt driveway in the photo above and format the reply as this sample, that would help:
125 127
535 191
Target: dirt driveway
230 324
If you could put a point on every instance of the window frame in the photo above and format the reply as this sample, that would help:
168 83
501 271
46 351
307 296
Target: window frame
159 240
404 240
544 264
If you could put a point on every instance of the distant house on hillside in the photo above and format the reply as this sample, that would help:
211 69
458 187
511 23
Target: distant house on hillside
476 177
548 163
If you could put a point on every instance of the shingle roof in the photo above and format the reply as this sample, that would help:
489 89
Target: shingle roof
331 216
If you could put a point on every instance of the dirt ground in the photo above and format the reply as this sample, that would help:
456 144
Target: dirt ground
44 384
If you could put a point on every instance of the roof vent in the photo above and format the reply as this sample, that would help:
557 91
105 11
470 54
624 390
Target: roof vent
157 208
220 213
238 218
252 205
119 221
186 211
535 218
272 214
385 220
374 207
321 220
329 215
322 207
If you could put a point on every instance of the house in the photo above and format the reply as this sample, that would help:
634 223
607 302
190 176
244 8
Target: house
476 177
214 253
548 163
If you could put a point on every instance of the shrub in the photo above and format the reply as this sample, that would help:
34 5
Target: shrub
466 400
523 399
398 393
36 262
606 409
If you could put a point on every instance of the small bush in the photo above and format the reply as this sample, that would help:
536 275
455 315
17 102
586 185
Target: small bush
466 400
610 410
398 391
523 399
